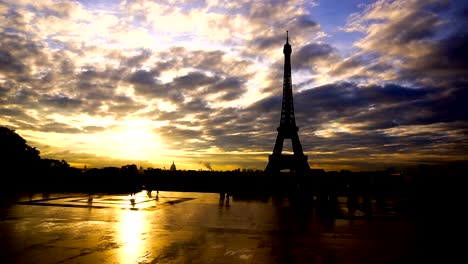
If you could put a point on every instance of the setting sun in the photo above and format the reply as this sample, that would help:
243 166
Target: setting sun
133 139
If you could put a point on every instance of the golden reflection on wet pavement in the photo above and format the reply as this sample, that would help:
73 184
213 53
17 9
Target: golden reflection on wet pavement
176 227
132 227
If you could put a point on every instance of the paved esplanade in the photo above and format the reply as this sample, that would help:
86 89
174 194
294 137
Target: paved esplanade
177 227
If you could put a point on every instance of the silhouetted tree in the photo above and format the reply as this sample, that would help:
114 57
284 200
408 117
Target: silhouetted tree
18 160
15 154
14 150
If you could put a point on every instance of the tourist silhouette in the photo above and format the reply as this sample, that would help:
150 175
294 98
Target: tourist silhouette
90 199
221 198
227 200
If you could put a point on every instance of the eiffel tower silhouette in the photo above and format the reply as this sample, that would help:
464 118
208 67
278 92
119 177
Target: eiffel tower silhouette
287 129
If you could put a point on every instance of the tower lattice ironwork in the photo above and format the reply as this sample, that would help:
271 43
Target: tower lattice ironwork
287 129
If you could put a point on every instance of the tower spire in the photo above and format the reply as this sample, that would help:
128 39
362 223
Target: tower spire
287 128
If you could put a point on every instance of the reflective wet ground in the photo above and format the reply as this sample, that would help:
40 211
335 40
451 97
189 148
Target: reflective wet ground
178 227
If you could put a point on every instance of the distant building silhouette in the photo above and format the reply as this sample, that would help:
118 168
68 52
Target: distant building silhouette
287 129
173 167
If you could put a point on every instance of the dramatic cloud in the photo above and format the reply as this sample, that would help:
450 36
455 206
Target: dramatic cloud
200 82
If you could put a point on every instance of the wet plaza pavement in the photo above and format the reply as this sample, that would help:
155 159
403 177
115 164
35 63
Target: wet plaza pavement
184 227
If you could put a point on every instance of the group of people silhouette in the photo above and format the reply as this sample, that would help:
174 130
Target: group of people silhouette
224 199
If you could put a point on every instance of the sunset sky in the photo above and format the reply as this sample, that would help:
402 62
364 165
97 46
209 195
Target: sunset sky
110 83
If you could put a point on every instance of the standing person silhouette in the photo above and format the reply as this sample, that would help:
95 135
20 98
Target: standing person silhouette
227 200
221 198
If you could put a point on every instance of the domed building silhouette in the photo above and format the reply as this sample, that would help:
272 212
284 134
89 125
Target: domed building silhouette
173 167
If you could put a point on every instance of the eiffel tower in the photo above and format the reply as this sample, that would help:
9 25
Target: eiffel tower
287 129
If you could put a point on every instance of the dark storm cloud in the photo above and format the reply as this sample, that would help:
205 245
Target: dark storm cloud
425 45
24 125
447 59
3 94
57 127
389 119
303 22
193 80
272 13
230 142
8 63
341 144
418 22
369 148
121 105
66 66
93 92
16 95
267 105
193 83
60 101
195 106
229 129
24 50
448 105
212 74
15 19
93 129
305 57
230 83
231 88
25 89
453 50
346 65
415 27
144 77
175 135
16 113
367 104
462 15
267 25
137 60
58 9
203 60
263 43
90 77
165 115
213 62
231 133
233 129
223 117
367 64
145 83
